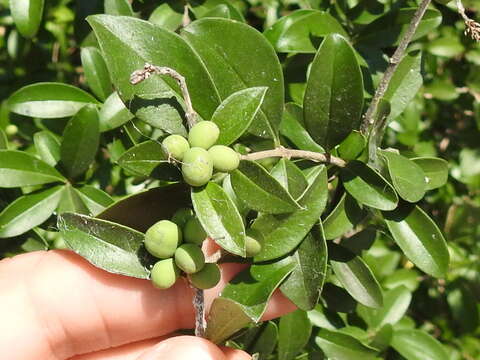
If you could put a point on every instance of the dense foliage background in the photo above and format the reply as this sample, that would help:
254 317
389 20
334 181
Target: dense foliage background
439 117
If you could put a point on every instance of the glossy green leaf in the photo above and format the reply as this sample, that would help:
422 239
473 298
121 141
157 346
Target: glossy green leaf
344 217
127 44
17 168
301 31
292 127
253 287
355 276
149 206
265 341
113 113
70 201
282 233
368 187
28 211
337 299
408 278
224 11
237 57
235 114
323 318
435 170
49 100
290 177
340 346
305 283
260 191
405 83
449 46
219 217
109 246
294 331
118 7
419 238
94 199
81 138
352 147
391 27
143 158
418 345
395 304
96 72
47 146
407 177
27 15
334 95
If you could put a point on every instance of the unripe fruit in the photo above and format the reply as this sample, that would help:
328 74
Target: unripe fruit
189 258
164 274
197 166
193 232
206 278
203 134
224 158
175 146
163 238
181 217
253 247
11 130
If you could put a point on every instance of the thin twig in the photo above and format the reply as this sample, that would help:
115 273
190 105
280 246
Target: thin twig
140 75
199 306
292 153
368 120
472 27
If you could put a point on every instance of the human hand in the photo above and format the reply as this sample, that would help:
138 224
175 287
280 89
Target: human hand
55 306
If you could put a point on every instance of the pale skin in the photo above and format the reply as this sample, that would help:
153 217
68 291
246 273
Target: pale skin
56 306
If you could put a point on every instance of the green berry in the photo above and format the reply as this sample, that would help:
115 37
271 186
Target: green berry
206 278
224 158
11 130
164 273
193 232
163 238
175 146
197 166
203 134
189 258
181 217
253 247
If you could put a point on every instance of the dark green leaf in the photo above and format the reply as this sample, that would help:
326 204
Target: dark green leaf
352 147
290 177
355 276
294 332
94 199
435 170
340 346
49 100
368 187
334 95
463 306
305 283
344 217
265 341
109 246
419 238
323 318
3 140
143 158
301 31
282 233
220 218
81 138
225 318
28 211
238 57
407 177
118 7
292 127
70 201
27 15
18 168
113 113
418 345
128 44
260 191
47 146
143 209
236 113
168 15
96 72
337 299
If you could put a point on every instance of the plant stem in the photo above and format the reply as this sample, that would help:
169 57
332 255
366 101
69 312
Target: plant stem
199 306
292 153
368 121
140 75
472 27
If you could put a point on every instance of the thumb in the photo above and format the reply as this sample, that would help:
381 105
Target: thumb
190 347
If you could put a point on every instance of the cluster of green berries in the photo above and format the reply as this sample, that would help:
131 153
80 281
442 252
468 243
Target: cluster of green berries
177 242
199 155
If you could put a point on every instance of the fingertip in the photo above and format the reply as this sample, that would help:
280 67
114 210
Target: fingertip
235 354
